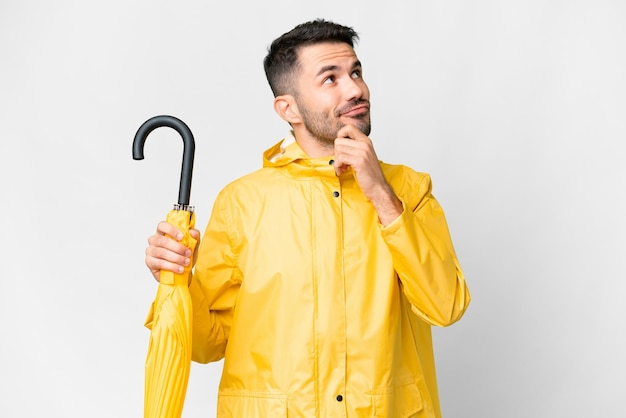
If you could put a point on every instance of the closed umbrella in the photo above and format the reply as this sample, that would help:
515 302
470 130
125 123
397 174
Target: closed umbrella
170 318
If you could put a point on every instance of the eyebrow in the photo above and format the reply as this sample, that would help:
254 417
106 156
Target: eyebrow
357 64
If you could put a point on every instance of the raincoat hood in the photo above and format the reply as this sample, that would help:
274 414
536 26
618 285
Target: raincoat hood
284 152
288 154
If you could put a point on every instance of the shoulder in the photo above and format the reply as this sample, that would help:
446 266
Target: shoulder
249 186
411 186
404 177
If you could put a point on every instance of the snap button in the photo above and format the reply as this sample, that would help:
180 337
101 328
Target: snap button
339 398
336 193
331 162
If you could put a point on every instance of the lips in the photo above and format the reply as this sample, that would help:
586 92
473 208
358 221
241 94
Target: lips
356 111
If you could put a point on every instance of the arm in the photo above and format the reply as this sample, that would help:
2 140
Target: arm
414 227
214 287
424 257
353 149
215 282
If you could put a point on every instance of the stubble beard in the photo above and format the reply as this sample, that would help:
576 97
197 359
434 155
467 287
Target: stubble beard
324 129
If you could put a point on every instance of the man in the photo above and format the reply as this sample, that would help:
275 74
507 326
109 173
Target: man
319 275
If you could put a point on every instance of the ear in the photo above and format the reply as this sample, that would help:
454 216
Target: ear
287 109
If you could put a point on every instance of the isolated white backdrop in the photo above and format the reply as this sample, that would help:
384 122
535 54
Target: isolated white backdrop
516 108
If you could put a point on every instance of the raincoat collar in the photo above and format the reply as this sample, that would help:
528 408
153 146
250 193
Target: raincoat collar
288 154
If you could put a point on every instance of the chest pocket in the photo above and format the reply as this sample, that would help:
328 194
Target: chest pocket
402 402
250 404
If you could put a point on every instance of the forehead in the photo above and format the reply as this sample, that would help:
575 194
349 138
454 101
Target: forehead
314 57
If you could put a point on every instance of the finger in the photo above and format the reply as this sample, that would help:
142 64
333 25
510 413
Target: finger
351 152
165 228
156 265
342 159
159 258
195 234
347 131
340 167
349 148
166 242
352 132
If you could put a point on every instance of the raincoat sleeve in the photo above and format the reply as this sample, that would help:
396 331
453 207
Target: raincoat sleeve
423 254
214 287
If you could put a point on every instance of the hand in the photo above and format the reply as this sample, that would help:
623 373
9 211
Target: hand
165 252
354 149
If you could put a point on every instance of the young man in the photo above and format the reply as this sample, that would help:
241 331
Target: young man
319 275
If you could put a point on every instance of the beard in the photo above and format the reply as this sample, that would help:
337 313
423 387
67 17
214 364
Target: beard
324 128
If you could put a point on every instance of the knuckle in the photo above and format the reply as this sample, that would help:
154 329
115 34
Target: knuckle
162 241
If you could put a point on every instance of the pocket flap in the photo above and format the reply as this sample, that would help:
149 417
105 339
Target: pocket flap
251 404
403 402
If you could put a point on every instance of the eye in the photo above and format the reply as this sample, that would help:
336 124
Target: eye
356 74
329 80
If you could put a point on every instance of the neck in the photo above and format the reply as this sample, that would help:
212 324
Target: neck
314 147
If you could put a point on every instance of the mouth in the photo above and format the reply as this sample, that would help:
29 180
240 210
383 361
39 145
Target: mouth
360 110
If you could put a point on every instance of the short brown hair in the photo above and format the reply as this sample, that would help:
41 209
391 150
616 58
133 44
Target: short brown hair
282 56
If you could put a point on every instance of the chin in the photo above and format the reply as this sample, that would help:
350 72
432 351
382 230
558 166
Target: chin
364 127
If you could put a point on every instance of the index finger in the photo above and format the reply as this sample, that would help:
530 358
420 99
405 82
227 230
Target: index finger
350 131
165 228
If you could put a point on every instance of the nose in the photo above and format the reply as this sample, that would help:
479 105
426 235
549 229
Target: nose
355 89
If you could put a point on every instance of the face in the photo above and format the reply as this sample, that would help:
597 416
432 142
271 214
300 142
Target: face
331 92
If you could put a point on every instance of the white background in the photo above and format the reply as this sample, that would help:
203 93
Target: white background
516 108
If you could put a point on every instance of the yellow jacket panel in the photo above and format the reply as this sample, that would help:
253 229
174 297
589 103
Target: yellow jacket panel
319 310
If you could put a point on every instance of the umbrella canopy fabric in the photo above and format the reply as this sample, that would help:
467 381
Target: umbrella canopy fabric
170 321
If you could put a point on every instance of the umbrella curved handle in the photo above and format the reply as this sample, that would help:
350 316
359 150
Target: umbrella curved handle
189 147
